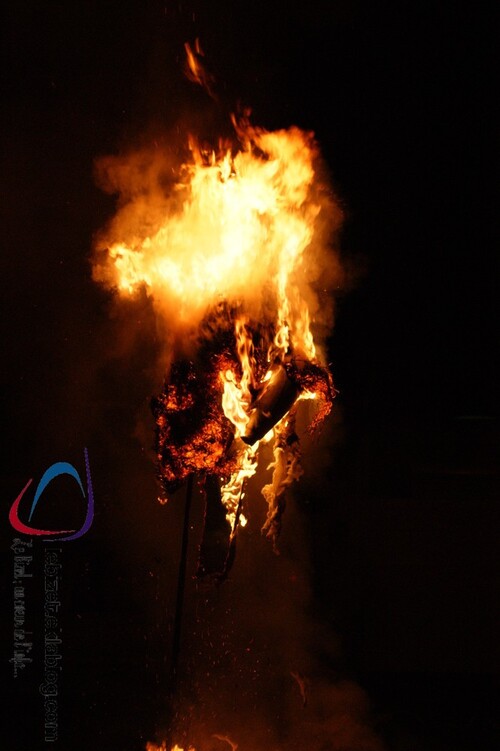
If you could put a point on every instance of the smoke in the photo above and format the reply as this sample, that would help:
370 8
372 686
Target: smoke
257 665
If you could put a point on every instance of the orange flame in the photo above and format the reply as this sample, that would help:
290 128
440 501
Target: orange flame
195 71
153 747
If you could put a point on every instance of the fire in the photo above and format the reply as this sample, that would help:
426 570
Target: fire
231 246
224 738
195 71
233 227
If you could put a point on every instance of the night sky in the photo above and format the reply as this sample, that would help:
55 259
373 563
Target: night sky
403 517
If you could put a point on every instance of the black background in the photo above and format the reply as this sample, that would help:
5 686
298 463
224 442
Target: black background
400 97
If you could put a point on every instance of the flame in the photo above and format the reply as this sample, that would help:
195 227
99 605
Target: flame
233 227
232 493
163 747
244 225
195 70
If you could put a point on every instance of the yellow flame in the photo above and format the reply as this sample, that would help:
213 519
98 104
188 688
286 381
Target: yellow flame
234 227
234 402
232 492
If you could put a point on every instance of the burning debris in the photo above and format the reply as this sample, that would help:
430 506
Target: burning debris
213 413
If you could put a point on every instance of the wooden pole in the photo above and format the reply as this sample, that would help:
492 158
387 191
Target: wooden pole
179 606
181 585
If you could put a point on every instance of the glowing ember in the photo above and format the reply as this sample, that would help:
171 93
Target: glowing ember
232 247
153 747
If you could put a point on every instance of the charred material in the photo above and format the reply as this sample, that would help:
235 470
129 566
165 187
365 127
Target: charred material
287 469
215 541
192 432
273 402
313 379
280 391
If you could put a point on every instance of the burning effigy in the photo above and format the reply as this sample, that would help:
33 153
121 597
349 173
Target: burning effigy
232 243
229 253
